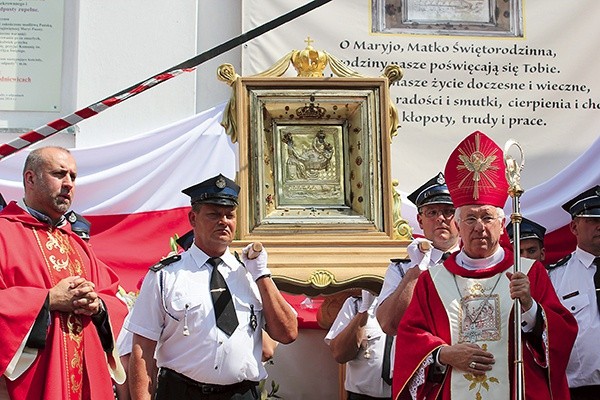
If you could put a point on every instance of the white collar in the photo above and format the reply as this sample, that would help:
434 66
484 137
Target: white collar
584 257
479 263
436 254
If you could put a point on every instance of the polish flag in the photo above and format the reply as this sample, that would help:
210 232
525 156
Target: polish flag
131 191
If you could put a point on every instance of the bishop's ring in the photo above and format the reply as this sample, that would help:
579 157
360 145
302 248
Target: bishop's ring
472 365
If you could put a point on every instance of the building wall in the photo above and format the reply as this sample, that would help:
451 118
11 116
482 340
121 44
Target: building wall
112 45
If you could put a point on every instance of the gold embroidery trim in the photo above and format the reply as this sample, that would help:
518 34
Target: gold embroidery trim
476 165
479 382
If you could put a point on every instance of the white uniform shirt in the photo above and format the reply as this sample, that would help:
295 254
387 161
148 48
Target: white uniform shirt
124 340
363 375
574 284
396 271
178 296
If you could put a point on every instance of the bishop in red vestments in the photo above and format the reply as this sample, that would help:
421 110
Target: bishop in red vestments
455 340
58 311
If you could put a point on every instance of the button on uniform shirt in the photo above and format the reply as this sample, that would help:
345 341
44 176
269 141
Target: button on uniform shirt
178 297
363 375
396 271
574 284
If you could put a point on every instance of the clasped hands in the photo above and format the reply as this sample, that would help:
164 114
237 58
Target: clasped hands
75 294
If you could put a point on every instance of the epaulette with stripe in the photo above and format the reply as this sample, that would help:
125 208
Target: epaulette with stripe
400 260
164 262
559 263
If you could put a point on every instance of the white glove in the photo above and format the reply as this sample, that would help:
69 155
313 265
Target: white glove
367 300
256 266
419 252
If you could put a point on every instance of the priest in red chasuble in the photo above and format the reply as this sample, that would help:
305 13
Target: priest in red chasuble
58 311
456 339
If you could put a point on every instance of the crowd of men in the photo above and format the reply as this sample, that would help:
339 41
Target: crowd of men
442 326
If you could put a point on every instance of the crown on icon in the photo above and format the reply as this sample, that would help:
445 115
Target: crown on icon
309 63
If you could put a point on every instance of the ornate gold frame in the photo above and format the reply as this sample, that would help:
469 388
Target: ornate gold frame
489 18
314 171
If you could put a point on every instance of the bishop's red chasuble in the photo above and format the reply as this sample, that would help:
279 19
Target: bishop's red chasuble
454 305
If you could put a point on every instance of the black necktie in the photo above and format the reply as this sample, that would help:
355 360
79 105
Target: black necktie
597 280
387 354
445 256
223 304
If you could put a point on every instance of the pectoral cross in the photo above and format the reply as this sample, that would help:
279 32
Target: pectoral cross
472 333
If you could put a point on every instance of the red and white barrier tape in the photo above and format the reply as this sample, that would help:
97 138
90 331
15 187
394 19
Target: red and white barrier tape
58 125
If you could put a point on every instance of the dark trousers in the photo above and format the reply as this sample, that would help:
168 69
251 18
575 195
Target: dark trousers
174 386
585 392
358 396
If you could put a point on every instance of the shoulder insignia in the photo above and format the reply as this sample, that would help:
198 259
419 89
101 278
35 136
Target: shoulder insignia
400 260
559 263
164 262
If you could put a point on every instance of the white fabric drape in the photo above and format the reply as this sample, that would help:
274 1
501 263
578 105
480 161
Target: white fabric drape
144 173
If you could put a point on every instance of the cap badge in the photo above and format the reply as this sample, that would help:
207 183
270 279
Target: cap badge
440 179
220 183
72 217
475 166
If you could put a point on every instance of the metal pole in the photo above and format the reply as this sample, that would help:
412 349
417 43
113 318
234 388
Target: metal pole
513 176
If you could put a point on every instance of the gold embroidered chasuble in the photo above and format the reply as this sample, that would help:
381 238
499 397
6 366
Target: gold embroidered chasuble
63 260
478 311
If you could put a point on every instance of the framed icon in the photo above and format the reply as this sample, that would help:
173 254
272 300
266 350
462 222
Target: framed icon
318 159
314 171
